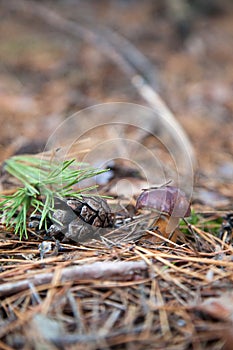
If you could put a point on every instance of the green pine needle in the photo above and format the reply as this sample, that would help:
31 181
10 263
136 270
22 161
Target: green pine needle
42 181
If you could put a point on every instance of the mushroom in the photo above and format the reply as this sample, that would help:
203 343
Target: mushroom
170 202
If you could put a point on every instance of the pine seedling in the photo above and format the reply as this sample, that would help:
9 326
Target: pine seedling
42 181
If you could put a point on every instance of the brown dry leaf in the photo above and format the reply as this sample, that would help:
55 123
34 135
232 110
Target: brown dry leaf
220 308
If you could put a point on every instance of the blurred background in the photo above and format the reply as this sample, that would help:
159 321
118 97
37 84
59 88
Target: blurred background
50 69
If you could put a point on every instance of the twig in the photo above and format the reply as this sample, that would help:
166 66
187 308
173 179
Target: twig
99 270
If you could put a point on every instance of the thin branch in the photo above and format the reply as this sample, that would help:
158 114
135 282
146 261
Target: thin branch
123 270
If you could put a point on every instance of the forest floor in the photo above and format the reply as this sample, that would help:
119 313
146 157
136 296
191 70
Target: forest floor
169 296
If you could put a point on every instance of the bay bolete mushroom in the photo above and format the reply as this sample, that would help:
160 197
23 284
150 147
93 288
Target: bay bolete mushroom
170 202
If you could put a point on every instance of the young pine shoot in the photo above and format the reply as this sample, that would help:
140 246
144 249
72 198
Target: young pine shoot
42 180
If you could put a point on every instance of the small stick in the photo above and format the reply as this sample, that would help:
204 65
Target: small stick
125 270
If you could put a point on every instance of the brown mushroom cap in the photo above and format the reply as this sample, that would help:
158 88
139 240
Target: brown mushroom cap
167 199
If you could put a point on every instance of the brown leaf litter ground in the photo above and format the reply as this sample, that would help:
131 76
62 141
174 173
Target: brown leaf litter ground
126 294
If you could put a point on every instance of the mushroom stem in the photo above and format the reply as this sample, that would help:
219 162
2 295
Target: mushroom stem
160 226
173 223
